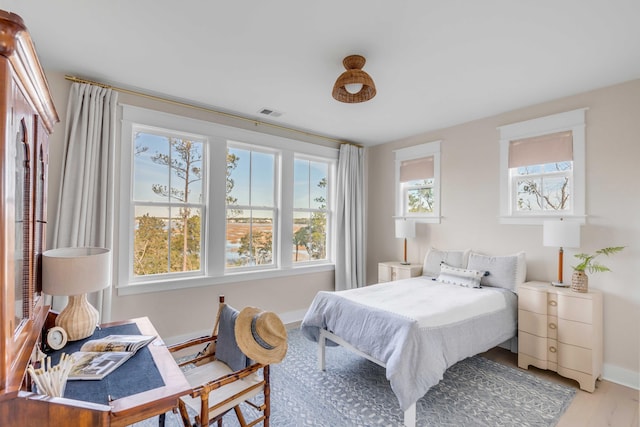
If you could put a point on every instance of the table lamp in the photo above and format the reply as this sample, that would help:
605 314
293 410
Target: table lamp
405 229
74 272
562 234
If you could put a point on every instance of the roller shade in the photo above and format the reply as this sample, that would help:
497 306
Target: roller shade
551 148
416 169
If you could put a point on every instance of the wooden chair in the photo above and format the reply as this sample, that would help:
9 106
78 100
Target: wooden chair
216 387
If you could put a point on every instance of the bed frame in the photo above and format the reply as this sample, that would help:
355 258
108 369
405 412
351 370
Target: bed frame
409 414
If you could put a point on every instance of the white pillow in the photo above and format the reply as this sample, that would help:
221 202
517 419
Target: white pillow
435 257
504 271
460 276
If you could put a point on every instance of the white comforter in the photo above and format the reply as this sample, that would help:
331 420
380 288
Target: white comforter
417 327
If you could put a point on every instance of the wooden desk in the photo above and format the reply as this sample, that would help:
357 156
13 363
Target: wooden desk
154 402
33 409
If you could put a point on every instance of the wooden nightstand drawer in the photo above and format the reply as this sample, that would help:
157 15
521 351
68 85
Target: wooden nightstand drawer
532 345
575 333
574 308
576 358
532 300
532 323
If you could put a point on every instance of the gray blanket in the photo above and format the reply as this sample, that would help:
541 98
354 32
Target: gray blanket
415 358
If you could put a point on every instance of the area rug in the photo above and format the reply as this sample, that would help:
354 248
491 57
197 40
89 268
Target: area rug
354 392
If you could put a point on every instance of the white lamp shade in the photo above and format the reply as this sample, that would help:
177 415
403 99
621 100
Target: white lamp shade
561 234
405 228
75 271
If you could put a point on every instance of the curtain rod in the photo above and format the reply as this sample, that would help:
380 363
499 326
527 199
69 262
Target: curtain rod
208 110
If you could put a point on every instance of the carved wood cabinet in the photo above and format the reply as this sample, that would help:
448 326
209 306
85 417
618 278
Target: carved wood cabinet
27 117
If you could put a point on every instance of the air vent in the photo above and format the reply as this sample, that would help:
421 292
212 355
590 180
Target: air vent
270 112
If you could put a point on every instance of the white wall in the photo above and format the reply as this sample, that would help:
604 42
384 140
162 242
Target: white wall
188 312
470 197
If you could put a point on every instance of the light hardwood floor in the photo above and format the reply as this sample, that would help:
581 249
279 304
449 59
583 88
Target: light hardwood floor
610 404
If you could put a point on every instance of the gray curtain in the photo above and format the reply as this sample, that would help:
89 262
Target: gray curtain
350 256
86 197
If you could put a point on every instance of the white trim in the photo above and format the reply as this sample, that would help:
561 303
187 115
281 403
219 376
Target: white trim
196 282
571 120
622 376
217 137
416 152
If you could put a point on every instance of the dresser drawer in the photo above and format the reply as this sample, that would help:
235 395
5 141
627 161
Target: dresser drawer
574 308
532 323
576 358
534 301
575 333
532 345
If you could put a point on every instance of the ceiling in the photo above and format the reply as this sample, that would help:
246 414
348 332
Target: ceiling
434 63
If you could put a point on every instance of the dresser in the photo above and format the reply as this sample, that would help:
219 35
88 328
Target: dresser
390 270
561 330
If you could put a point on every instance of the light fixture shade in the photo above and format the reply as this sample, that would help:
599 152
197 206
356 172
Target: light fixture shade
405 228
561 234
354 76
75 271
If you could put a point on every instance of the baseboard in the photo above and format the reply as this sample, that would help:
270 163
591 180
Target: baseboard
618 375
293 318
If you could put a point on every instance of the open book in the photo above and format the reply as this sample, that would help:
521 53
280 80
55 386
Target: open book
98 358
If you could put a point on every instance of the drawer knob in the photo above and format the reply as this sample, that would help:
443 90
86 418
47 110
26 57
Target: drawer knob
553 303
552 349
552 326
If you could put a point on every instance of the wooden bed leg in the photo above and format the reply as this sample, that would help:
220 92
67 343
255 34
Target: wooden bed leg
321 344
410 416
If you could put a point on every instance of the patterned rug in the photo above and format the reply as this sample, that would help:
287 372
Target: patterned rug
354 392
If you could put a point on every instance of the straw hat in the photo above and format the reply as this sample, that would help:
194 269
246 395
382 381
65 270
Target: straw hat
261 335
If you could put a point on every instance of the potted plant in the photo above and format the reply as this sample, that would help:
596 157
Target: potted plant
580 280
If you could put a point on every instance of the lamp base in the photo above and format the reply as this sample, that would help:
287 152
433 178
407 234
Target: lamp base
79 318
560 284
405 263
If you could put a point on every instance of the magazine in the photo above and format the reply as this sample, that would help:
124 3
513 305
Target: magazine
98 358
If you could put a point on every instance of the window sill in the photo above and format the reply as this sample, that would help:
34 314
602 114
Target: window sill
195 282
539 219
421 219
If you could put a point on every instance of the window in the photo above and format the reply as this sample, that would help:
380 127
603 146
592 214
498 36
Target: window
310 210
168 202
251 209
417 182
201 203
542 168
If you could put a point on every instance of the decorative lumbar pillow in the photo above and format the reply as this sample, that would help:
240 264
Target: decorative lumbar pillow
460 276
435 257
503 271
227 349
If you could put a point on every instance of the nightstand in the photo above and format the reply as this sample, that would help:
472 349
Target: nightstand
561 330
388 271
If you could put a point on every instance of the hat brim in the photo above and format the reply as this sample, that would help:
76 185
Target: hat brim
253 349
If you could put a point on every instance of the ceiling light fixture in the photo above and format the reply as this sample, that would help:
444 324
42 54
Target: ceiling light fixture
354 85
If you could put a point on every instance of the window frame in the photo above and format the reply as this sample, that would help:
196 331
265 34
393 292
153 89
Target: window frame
573 121
275 244
218 136
427 149
329 211
203 205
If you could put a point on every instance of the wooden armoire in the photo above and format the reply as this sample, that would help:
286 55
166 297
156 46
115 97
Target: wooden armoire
27 117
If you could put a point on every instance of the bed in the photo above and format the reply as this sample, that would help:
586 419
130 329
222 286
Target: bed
417 328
